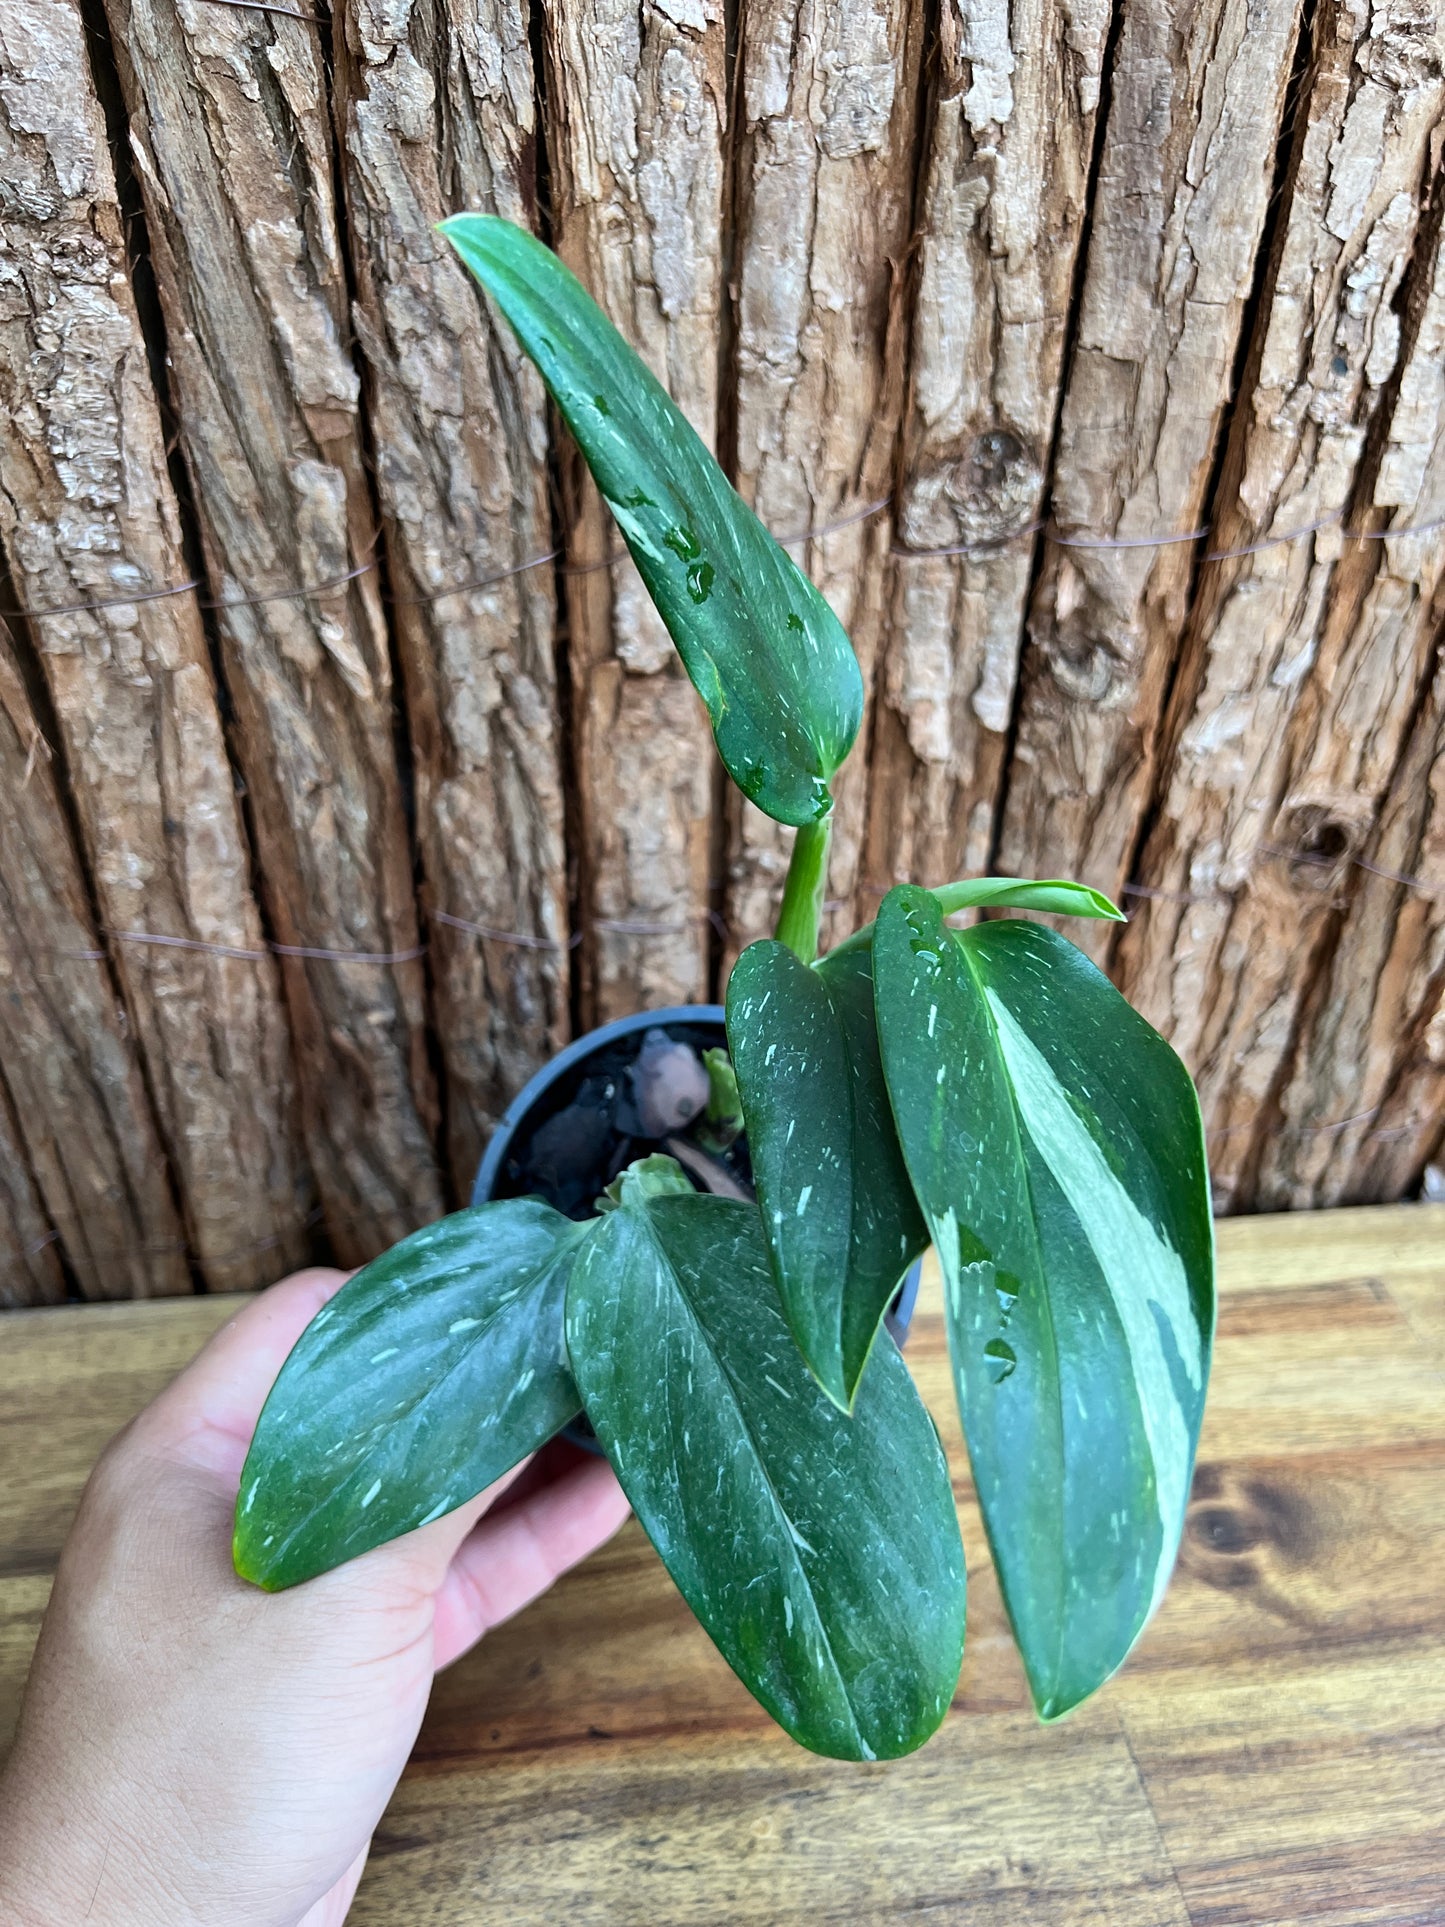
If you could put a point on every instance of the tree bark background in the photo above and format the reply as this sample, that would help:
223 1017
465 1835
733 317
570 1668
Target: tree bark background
436 108
1294 690
82 1121
1090 357
1006 175
829 97
231 133
88 516
638 117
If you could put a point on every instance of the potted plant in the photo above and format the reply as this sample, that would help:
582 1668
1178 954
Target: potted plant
986 1090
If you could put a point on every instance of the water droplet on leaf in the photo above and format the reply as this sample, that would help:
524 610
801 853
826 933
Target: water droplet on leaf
1001 1357
684 543
699 580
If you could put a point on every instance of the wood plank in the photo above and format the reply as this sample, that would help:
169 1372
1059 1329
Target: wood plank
458 422
1178 213
984 1826
1270 1754
75 1381
1281 1251
1006 175
637 103
1306 1795
1306 658
232 138
87 514
82 1119
826 160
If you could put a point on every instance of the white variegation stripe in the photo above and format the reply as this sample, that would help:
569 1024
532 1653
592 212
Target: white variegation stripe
1141 1269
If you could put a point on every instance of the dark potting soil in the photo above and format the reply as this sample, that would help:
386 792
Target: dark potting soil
594 1122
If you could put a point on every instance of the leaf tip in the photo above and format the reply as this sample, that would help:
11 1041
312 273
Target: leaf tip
245 1566
1054 1707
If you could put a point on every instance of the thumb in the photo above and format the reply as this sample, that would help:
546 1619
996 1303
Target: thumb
207 1414
419 1559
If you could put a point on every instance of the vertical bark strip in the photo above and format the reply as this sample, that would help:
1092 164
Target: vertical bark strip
81 1110
1005 179
826 177
1306 657
232 141
638 109
436 102
30 1271
87 514
1179 210
1364 1106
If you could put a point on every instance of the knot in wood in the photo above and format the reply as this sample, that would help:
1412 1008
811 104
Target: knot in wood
985 492
1317 841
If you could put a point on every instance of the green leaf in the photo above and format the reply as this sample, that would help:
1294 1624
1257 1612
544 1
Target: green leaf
724 1123
838 1211
820 1552
766 653
657 1176
428 1375
1054 896
1055 1145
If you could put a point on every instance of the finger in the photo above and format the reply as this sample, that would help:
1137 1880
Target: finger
224 1387
423 1556
512 1557
419 1560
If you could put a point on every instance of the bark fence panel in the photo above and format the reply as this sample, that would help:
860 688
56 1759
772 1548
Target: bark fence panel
83 1137
998 280
437 108
30 1271
1298 676
88 517
828 93
230 126
1006 175
1179 212
638 101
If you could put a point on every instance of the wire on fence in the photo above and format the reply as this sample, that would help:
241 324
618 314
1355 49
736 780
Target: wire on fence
301 591
981 546
268 6
522 939
1051 532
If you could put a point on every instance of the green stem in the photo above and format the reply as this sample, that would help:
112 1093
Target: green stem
803 892
1055 896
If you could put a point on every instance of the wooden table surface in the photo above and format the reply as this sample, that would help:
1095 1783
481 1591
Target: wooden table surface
1273 1752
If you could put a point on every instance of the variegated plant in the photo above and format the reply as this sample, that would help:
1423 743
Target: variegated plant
985 1090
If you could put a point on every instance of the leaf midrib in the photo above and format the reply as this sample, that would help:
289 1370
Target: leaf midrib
957 939
782 1511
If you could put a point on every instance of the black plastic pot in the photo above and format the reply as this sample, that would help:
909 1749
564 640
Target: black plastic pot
554 1086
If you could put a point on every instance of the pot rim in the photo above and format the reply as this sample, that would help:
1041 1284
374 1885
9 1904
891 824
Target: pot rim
900 1314
573 1053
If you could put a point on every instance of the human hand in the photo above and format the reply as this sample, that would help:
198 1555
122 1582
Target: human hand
195 1753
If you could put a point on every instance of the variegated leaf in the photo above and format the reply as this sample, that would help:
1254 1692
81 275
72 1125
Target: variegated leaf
1055 1145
